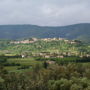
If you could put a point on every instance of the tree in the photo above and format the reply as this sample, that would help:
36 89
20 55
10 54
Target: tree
45 64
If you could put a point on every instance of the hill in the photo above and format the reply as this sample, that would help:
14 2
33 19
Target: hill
47 46
76 31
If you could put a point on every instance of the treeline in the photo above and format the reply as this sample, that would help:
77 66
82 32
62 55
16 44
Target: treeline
4 61
13 56
65 59
55 77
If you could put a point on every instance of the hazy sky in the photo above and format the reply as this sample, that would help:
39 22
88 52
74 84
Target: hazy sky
44 12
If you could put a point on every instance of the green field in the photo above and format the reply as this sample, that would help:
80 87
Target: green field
29 63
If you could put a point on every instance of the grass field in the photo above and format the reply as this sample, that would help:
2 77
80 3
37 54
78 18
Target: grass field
24 62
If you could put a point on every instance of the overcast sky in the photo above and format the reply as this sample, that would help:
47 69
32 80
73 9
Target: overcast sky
44 12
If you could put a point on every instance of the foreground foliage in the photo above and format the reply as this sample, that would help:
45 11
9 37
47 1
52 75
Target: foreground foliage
54 77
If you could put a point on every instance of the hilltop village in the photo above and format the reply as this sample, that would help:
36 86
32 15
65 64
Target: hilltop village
32 40
48 54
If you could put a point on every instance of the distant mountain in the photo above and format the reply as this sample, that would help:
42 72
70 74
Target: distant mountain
76 31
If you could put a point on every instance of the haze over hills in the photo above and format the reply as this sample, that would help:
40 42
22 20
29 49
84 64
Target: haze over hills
76 31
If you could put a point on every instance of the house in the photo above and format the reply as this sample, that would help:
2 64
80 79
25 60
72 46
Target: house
60 56
23 56
47 56
50 62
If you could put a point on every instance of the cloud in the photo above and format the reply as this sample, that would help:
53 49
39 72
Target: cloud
44 12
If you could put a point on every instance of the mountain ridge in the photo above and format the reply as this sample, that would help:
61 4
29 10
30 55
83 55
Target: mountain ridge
75 31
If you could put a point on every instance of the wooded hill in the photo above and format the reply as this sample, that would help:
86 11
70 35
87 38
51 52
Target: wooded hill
77 31
45 47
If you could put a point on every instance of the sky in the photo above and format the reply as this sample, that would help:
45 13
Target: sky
44 12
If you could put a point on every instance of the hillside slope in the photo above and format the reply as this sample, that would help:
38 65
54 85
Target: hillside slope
77 31
52 47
